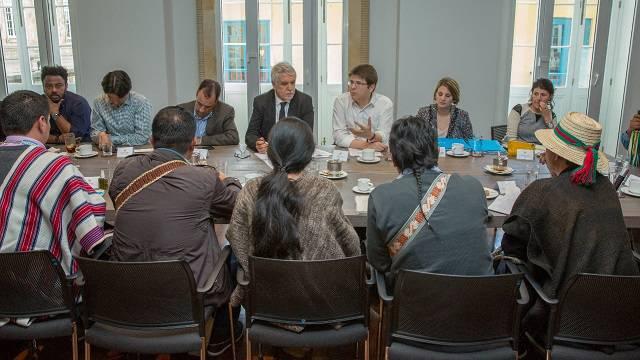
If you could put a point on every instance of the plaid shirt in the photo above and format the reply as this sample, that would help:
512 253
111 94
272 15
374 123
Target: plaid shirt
129 124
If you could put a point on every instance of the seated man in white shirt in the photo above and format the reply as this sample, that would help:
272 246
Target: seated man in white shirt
362 119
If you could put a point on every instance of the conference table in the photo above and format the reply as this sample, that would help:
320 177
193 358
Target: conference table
355 205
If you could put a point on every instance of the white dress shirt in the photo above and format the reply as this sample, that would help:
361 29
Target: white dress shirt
286 108
346 113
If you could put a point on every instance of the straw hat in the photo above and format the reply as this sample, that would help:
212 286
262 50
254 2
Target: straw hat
574 137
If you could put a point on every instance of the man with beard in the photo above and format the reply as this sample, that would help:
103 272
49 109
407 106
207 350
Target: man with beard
68 112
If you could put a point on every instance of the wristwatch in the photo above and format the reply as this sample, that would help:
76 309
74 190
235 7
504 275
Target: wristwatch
54 116
372 139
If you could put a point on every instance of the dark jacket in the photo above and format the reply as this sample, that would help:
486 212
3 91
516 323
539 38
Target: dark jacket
264 114
560 229
221 128
172 218
455 244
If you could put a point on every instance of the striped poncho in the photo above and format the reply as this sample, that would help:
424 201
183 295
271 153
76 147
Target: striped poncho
45 203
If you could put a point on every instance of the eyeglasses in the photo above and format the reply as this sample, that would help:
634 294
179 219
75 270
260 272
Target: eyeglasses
356 83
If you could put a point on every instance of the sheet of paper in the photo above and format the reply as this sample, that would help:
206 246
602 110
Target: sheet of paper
124 151
504 203
340 155
93 181
507 186
362 203
265 158
143 151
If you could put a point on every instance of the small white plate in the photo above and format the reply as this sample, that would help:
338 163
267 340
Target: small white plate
357 190
490 193
341 175
375 160
625 190
464 154
91 154
490 169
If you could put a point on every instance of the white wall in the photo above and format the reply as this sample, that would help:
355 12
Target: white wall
154 41
414 43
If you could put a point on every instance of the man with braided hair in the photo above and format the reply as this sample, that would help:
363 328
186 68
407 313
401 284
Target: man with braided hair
432 203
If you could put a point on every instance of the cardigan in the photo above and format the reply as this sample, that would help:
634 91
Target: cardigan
325 232
459 126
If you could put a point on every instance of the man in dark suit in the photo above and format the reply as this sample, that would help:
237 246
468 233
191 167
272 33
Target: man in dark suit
214 119
281 101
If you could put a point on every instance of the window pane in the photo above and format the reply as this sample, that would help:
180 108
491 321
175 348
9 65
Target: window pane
524 43
63 24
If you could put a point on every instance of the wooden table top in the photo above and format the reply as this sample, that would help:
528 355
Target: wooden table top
379 173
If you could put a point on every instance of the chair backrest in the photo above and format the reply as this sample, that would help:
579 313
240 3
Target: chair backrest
33 284
140 294
307 292
455 310
599 309
498 132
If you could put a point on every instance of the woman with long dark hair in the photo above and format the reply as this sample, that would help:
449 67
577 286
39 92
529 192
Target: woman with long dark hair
536 114
426 220
290 214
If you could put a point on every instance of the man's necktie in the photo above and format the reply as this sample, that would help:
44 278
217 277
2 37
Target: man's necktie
282 114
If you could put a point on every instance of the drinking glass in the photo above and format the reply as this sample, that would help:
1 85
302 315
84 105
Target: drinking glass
70 142
107 149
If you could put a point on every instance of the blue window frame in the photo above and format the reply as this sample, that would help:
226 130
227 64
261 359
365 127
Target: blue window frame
235 50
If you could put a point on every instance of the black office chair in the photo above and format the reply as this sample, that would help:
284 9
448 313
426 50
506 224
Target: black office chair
595 317
436 316
145 307
498 132
35 286
328 297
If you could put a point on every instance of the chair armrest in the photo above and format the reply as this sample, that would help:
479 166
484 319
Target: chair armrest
371 279
382 287
524 297
240 278
102 248
636 256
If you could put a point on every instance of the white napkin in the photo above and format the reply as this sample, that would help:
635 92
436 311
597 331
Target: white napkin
318 153
93 181
202 153
358 153
626 183
340 155
362 203
148 150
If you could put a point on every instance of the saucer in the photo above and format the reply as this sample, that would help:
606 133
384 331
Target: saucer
341 175
375 160
490 193
357 190
464 154
490 169
91 154
625 190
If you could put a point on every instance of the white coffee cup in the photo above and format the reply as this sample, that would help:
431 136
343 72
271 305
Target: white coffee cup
368 154
634 185
84 149
364 184
457 148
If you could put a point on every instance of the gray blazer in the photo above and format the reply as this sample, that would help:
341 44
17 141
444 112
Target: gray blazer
221 128
264 114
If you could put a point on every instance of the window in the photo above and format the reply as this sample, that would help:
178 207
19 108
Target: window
235 51
8 18
559 57
23 46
